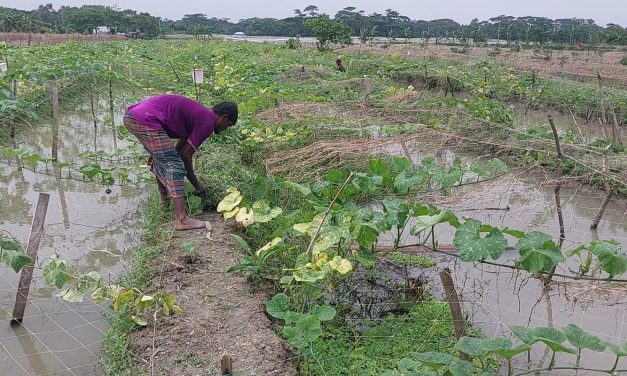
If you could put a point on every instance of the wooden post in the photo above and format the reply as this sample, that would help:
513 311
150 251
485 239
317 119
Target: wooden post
583 139
36 232
616 132
14 89
606 199
449 87
227 365
602 117
54 95
93 113
558 186
178 78
599 214
456 309
111 111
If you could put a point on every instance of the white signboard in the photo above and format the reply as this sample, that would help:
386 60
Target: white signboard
198 76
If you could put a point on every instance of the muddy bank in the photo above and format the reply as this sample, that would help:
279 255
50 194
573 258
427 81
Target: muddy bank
221 315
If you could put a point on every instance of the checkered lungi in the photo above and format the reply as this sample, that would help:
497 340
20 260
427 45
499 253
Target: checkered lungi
165 163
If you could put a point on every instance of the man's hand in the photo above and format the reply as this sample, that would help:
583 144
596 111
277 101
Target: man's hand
200 189
186 152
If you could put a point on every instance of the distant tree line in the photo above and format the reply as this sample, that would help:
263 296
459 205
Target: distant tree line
390 24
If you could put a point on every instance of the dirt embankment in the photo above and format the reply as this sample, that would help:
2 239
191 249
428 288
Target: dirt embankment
221 315
582 65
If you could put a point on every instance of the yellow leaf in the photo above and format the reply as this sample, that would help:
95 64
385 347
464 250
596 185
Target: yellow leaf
231 200
269 246
330 287
322 259
245 217
341 265
302 227
231 214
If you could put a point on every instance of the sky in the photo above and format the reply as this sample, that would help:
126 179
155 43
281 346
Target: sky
602 11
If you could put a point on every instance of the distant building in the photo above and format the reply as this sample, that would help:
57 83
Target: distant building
102 30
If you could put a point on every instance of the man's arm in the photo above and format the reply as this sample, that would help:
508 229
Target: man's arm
186 151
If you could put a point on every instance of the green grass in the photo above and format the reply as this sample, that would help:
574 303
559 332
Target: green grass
410 260
219 166
118 359
343 352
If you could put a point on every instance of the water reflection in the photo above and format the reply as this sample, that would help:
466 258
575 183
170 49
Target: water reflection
85 226
496 298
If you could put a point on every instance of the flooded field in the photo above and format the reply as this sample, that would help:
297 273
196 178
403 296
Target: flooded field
496 297
92 230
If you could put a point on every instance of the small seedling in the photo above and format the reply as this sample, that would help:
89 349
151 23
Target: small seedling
191 254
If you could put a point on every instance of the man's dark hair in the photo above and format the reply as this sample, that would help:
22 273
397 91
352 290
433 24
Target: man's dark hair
227 108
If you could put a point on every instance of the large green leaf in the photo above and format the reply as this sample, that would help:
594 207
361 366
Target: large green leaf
472 346
397 211
71 295
402 163
495 344
460 368
324 313
378 166
408 367
613 262
423 222
512 352
330 237
336 176
367 183
310 327
309 275
531 240
278 305
472 247
305 191
15 259
263 212
91 170
538 252
365 257
448 179
524 334
10 245
88 282
582 339
365 235
497 166
406 182
619 351
433 360
56 273
553 338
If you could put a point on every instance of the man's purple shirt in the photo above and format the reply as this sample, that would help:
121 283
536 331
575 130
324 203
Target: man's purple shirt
180 117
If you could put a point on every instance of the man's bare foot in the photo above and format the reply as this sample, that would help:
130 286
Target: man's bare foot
189 224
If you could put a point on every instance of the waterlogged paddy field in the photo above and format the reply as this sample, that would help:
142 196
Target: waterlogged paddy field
301 118
92 230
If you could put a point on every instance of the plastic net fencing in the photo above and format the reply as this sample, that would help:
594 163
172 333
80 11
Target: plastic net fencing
94 230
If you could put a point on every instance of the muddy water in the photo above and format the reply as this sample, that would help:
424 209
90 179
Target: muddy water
585 132
90 229
495 297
